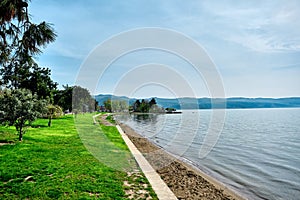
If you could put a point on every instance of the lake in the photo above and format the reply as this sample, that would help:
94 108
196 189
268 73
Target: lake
257 153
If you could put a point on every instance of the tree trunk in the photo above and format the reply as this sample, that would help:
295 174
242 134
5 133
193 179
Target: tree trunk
20 134
49 122
20 125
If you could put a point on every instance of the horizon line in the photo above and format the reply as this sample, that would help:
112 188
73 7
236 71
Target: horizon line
203 97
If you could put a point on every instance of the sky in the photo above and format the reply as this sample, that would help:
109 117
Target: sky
254 46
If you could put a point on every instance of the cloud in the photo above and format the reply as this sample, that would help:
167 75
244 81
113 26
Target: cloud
264 27
265 43
242 37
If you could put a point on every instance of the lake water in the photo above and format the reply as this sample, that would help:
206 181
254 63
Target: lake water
257 153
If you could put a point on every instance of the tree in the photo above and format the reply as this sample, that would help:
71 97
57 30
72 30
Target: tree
74 97
97 107
136 106
146 106
20 41
152 102
19 107
63 98
119 105
39 82
107 105
82 99
53 111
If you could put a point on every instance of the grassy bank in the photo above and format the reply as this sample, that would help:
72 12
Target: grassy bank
53 163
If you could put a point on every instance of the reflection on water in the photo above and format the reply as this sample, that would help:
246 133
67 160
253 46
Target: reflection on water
145 117
257 153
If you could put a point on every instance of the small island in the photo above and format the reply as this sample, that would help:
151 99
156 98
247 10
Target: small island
138 106
146 106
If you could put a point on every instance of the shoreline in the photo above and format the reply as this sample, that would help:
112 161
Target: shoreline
186 180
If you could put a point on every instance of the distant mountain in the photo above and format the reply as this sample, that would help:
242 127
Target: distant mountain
206 103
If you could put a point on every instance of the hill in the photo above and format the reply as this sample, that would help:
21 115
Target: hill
206 103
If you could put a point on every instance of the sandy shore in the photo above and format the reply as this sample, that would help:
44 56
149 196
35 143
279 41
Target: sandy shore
186 181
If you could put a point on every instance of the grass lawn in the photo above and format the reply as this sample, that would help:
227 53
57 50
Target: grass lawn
54 163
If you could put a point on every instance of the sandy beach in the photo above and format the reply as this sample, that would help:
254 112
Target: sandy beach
185 180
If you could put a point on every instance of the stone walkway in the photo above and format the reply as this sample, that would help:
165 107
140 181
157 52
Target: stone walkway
162 191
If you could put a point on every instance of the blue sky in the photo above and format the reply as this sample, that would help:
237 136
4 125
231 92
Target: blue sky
255 45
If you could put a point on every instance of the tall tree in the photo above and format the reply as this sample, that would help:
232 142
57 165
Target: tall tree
107 105
152 102
144 106
38 81
63 98
20 41
82 100
136 106
119 106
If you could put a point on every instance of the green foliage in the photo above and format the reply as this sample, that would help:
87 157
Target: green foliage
110 118
18 107
137 106
146 106
63 98
21 41
119 105
115 105
39 82
107 105
152 102
54 111
82 100
75 98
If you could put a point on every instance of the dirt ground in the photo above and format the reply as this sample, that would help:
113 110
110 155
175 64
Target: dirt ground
185 181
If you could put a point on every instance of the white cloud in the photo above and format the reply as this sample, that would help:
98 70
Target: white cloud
242 37
266 43
262 26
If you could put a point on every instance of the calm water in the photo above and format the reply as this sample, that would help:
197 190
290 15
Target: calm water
257 153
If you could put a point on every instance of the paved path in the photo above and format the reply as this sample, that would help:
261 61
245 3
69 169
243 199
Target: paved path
94 118
162 191
102 119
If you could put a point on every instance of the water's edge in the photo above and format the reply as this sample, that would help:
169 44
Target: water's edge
257 154
196 168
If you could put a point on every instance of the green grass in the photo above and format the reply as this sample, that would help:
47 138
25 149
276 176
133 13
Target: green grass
110 118
54 163
8 135
104 143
